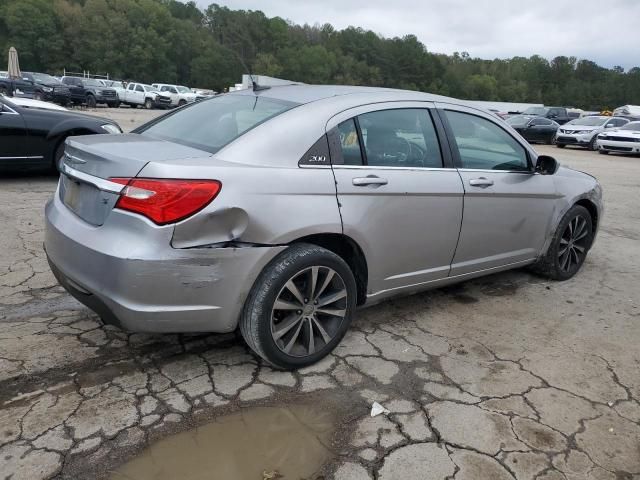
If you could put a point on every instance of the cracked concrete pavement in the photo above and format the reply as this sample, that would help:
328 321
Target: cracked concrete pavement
509 376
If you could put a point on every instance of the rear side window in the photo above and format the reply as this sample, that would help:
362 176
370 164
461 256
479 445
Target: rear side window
139 88
211 124
484 145
350 143
400 138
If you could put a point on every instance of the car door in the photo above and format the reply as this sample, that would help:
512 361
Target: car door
541 129
75 88
13 134
399 196
507 206
139 94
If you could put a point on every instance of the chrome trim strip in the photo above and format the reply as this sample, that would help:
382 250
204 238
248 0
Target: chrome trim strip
376 167
101 183
524 172
32 157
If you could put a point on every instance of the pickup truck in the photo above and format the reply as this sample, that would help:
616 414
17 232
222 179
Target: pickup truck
179 95
90 91
139 94
557 114
38 86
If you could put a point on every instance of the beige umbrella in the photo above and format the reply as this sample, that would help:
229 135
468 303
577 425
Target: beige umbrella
13 69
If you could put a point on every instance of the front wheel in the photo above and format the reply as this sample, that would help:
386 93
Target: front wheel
592 144
91 101
300 307
148 104
37 96
569 246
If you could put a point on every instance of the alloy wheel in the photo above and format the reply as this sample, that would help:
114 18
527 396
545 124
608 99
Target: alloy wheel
573 244
308 311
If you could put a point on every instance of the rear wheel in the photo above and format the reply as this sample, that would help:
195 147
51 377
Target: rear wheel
559 145
550 140
569 246
300 307
603 152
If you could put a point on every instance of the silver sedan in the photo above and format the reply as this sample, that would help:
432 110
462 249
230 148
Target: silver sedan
281 211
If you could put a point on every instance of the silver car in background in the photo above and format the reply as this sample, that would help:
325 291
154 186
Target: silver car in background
583 132
281 210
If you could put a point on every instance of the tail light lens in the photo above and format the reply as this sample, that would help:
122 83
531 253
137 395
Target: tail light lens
166 200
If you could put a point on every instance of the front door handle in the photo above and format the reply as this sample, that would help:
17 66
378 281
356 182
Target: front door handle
370 180
481 182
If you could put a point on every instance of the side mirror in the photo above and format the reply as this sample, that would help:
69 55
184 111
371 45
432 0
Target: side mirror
546 165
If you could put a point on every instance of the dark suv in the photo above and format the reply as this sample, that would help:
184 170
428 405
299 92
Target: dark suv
38 86
91 92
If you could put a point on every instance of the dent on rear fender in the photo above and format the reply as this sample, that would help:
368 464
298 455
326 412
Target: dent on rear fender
224 225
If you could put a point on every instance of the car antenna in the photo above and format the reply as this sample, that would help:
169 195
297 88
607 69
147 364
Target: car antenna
254 84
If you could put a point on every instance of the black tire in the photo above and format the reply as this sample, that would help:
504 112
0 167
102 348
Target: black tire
91 101
38 96
58 155
593 146
603 152
181 103
560 145
259 309
549 140
4 91
551 265
148 104
113 104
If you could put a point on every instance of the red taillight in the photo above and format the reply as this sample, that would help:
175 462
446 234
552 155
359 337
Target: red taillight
166 201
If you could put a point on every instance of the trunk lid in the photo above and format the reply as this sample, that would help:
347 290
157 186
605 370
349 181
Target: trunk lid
90 161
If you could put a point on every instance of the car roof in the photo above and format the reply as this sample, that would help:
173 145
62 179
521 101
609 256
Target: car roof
302 93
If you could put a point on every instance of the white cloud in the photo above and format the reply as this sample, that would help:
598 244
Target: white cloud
607 32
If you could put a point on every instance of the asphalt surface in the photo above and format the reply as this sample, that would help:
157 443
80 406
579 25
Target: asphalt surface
508 376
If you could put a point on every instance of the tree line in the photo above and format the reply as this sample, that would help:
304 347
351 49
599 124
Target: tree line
174 42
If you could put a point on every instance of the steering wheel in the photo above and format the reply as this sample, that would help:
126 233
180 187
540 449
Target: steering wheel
401 148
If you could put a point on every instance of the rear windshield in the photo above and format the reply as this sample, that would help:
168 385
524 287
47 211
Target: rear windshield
211 124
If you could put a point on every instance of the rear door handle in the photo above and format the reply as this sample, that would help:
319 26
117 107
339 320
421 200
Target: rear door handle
481 182
371 180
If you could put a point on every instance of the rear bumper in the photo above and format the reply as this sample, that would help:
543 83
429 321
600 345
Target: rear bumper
136 284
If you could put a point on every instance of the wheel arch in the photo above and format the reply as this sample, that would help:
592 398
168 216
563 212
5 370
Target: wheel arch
60 136
592 208
347 249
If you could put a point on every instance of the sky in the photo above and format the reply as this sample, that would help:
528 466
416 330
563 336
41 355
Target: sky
605 31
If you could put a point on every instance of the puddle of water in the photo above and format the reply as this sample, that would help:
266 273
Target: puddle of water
290 440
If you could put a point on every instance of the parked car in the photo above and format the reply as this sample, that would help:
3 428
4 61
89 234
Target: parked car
91 92
534 129
29 102
583 132
282 210
147 96
625 139
557 114
118 86
38 86
179 95
630 112
32 135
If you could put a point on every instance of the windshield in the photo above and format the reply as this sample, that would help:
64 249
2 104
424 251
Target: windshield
44 78
535 111
589 121
211 124
92 82
518 120
631 126
183 90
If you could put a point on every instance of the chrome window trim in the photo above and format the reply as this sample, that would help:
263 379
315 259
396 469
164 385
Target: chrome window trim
487 170
101 183
376 167
32 157
10 111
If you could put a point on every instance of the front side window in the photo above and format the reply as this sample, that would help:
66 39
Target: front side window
484 145
540 121
400 138
210 125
